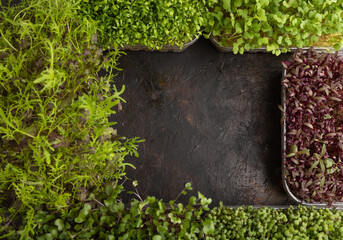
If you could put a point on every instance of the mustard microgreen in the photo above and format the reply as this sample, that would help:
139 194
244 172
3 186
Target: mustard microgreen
152 23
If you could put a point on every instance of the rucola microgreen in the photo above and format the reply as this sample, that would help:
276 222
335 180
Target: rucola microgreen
275 25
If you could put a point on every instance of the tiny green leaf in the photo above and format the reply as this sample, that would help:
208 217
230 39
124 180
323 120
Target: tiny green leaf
226 4
59 224
238 3
328 162
157 237
208 226
188 186
322 181
323 150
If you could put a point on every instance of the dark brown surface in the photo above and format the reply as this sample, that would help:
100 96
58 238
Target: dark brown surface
209 118
13 2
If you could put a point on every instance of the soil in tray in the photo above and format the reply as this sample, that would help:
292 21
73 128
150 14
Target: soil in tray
208 118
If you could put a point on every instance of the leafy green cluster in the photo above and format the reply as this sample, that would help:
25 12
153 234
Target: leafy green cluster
268 223
152 23
275 24
152 219
56 144
110 219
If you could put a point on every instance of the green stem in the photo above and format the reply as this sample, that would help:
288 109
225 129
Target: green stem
8 42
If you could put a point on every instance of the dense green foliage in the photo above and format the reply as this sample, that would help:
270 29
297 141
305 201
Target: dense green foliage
109 218
268 223
152 23
274 24
56 144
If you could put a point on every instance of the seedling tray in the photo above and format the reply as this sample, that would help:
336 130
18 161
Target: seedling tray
286 187
167 48
264 49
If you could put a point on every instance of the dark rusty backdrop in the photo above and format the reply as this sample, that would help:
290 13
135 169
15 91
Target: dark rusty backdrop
209 118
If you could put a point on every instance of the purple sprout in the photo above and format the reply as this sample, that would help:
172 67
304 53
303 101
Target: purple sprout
314 126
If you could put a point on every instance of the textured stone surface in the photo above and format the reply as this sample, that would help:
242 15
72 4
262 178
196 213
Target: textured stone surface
210 118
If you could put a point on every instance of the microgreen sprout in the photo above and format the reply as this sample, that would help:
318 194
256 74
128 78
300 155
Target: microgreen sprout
105 216
275 25
249 223
56 143
314 147
151 23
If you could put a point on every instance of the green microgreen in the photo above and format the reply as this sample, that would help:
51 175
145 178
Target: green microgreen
275 25
248 223
151 23
107 217
56 144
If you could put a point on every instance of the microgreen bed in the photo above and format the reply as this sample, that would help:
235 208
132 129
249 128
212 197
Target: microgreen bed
313 114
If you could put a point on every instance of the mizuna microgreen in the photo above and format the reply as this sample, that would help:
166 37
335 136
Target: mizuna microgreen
56 143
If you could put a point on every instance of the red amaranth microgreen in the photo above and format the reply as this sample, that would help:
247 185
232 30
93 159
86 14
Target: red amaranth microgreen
314 145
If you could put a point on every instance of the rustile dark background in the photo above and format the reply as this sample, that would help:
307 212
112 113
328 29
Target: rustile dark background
208 118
